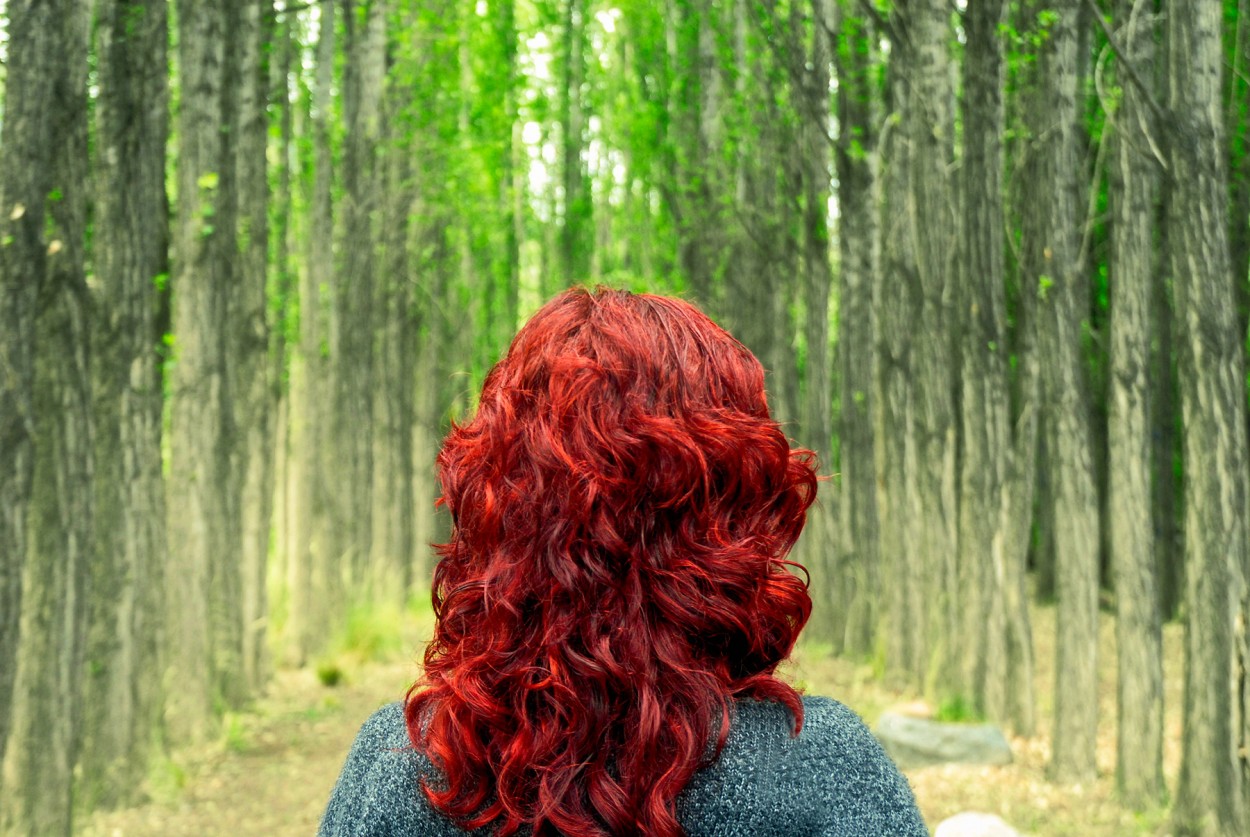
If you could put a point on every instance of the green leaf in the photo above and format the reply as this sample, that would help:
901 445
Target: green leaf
207 180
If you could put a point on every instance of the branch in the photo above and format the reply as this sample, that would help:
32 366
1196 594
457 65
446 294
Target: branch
886 26
1128 66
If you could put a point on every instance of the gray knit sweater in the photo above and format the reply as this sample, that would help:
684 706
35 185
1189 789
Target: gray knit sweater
832 781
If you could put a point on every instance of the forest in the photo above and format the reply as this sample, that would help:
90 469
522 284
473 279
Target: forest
256 255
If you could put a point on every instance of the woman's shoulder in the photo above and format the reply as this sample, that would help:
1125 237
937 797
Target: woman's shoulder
833 778
378 789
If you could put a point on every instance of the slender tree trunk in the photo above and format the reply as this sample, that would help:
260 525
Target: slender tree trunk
202 619
817 426
997 667
390 565
38 769
928 123
126 628
1133 192
257 403
351 347
859 251
313 578
895 301
1209 797
25 181
1062 293
577 228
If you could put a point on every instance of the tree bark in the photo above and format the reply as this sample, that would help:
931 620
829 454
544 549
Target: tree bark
1209 796
1062 294
250 333
313 579
576 229
859 253
1133 192
205 623
907 607
126 628
996 664
25 181
43 745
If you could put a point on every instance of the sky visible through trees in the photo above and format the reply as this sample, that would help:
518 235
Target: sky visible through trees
255 255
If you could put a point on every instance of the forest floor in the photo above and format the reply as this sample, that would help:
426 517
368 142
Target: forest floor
272 770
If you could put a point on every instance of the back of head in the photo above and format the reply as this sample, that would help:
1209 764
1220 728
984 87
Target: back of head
622 506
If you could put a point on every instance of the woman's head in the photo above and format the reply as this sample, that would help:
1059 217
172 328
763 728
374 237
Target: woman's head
622 506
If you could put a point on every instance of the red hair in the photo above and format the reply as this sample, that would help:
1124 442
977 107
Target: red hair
616 576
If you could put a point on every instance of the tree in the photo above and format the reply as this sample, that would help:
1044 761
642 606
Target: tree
125 651
857 160
25 181
1210 793
205 624
251 368
43 745
996 664
1133 193
1062 293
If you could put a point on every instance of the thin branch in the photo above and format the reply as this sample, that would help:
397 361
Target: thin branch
1128 65
886 25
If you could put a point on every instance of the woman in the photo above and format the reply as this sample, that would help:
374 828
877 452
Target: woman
613 604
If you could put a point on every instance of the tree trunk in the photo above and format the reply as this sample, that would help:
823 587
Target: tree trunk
204 620
1132 196
1063 297
996 665
928 126
313 578
390 565
42 749
250 331
859 250
907 607
817 426
1209 797
577 229
25 181
125 653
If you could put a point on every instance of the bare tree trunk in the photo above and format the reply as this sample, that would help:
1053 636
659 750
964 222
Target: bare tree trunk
126 628
43 744
1210 794
1062 292
25 181
859 253
817 426
204 621
907 607
351 346
997 662
1132 196
250 330
313 578
390 565
576 230
928 126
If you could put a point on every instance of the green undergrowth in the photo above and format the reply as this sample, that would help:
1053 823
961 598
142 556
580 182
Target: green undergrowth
374 633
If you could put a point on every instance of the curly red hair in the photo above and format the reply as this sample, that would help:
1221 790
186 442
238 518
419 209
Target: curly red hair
622 507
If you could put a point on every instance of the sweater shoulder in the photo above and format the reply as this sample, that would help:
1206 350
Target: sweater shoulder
831 780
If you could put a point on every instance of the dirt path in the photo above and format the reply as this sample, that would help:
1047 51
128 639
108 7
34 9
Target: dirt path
272 772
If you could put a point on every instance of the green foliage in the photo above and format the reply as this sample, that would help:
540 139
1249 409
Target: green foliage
329 673
957 709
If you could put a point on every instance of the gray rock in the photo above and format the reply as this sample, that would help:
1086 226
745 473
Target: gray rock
972 824
917 742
